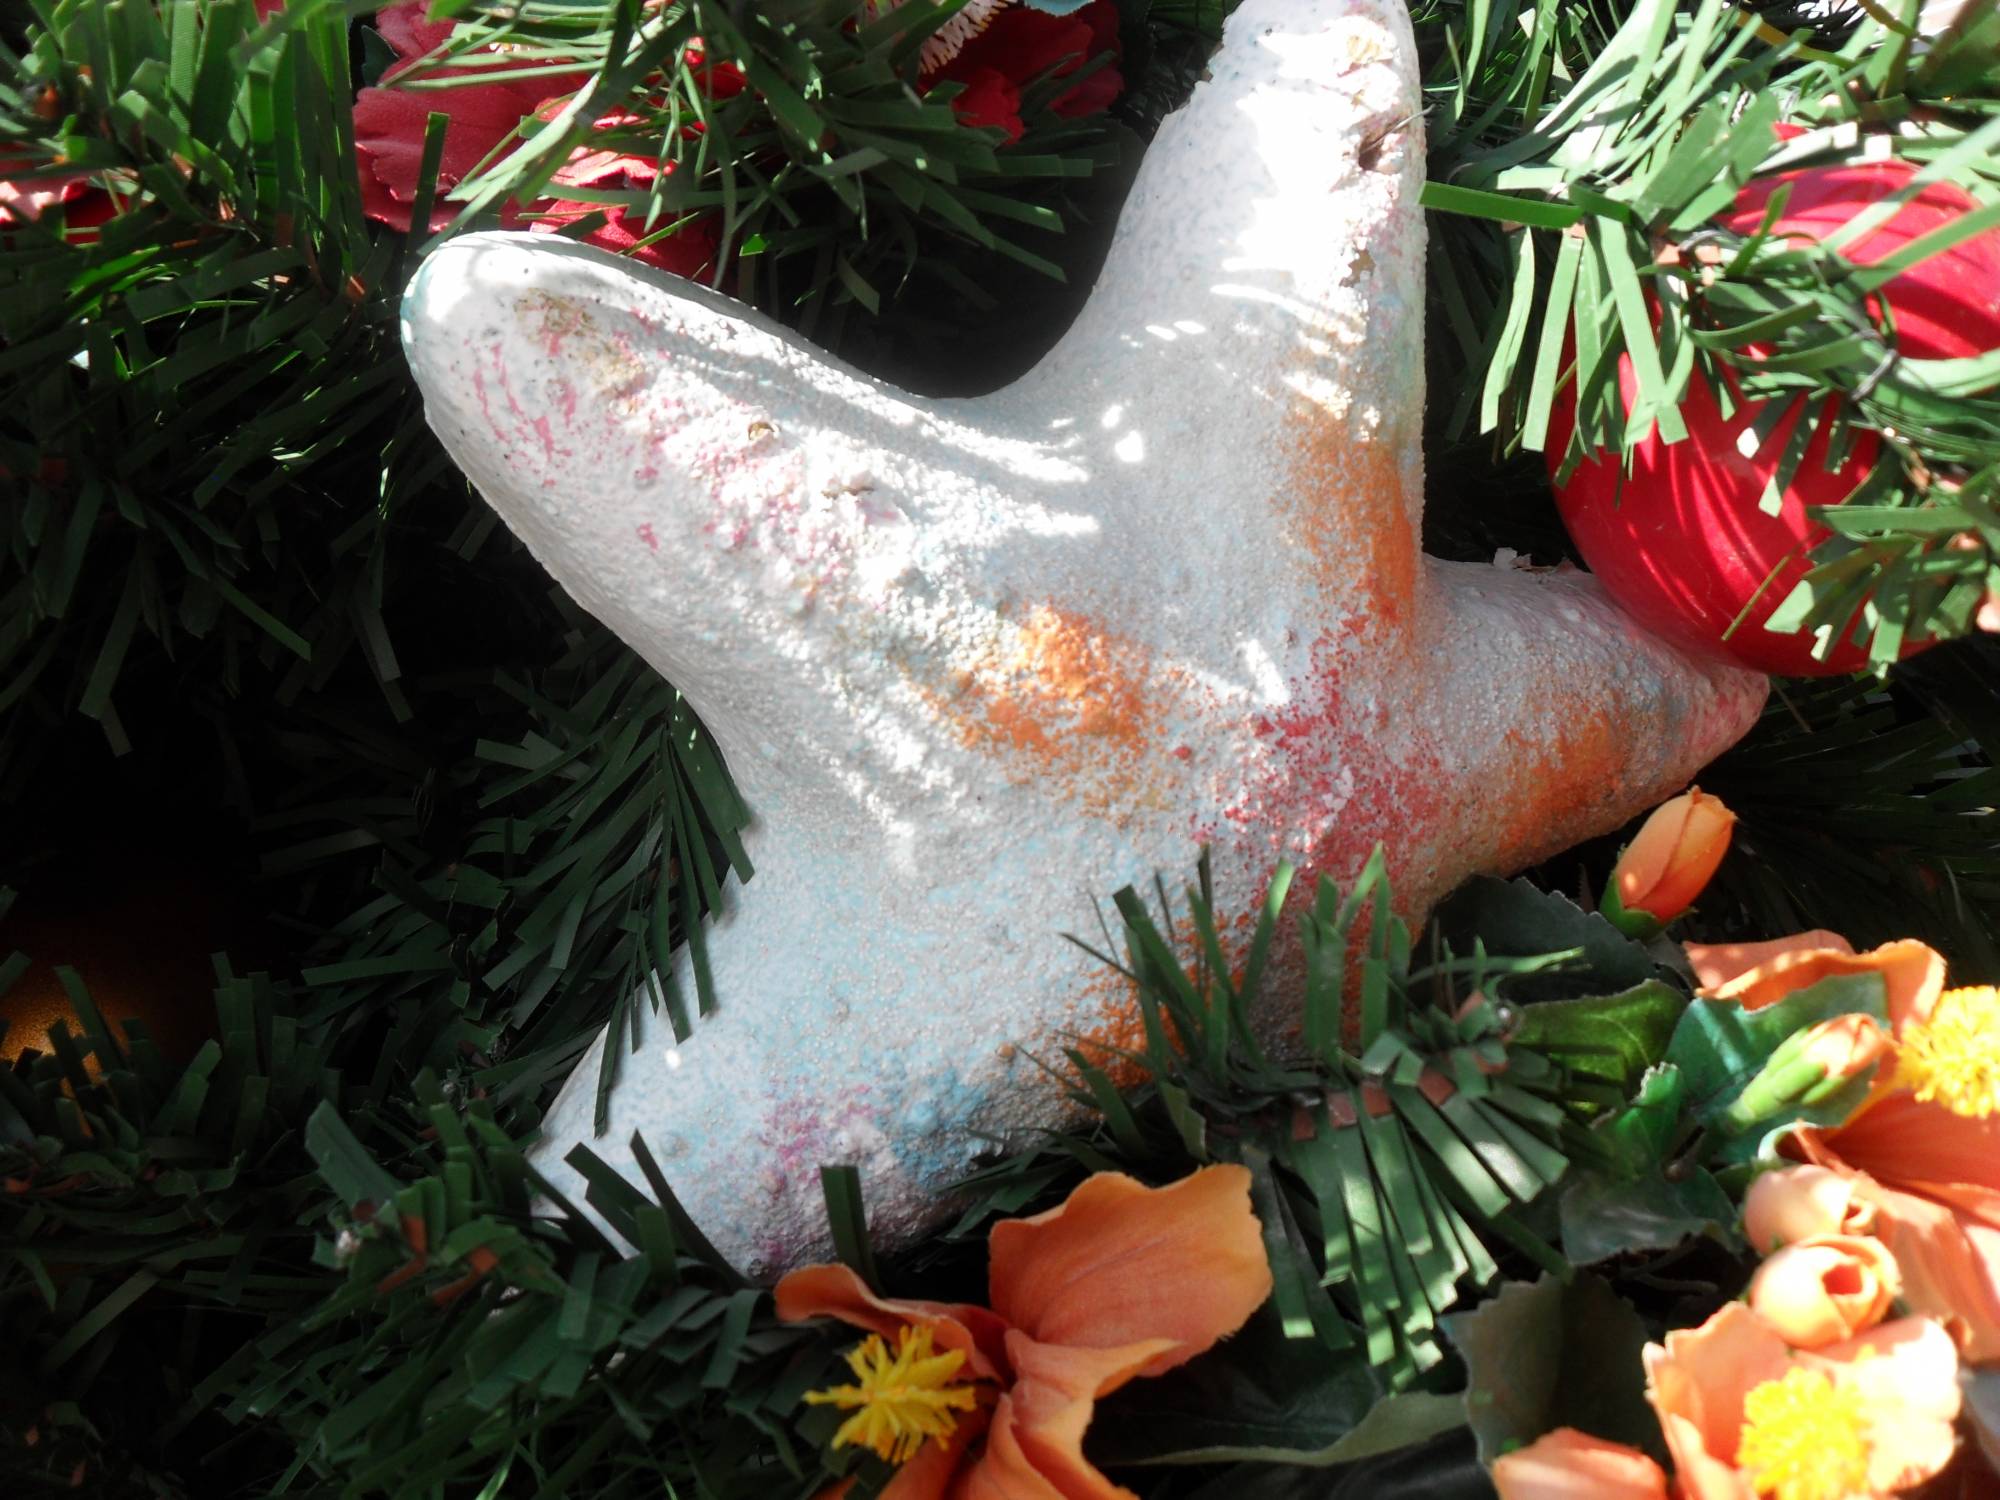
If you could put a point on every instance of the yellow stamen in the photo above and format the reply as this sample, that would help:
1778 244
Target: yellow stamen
1804 1439
1954 1057
900 1400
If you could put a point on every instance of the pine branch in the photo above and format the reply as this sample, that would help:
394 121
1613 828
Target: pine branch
1575 174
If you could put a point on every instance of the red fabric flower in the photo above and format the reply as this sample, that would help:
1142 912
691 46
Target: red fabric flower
85 202
718 80
25 200
1018 46
687 252
989 100
389 123
389 140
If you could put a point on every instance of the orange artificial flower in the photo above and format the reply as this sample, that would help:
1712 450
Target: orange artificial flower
1923 1150
1822 1290
1932 1178
1718 963
1745 1415
1673 856
1571 1465
1755 975
1803 1203
1120 1281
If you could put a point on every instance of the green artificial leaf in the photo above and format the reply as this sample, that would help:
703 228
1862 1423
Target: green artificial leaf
1258 1396
1515 919
1629 1203
1547 1354
343 1161
1639 1136
1615 1038
1605 1216
1719 1046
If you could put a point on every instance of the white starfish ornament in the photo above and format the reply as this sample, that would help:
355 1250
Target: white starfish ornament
976 663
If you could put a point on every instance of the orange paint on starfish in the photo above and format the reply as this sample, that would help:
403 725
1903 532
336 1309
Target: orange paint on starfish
1116 1040
1583 736
1328 460
1114 1037
1070 697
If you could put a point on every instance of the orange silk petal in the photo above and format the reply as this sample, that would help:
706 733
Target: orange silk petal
1699 1474
1906 1373
1003 1471
1674 854
1912 973
1951 1266
932 1469
1054 1396
1802 1203
1899 1141
1571 1465
1120 1263
1642 864
1716 964
836 1292
1697 1383
1041 1421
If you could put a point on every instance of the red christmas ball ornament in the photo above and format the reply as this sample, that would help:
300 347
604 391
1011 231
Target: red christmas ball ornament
1680 542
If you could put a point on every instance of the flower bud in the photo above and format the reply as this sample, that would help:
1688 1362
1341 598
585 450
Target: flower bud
1808 1068
1668 863
1844 1046
1802 1203
1820 1291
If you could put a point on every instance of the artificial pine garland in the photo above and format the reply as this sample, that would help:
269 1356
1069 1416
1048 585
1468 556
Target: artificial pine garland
1617 146
308 1258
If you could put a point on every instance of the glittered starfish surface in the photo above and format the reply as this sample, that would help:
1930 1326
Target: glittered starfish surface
976 663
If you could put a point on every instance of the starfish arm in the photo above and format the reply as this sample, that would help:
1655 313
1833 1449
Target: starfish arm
1561 717
1264 292
774 532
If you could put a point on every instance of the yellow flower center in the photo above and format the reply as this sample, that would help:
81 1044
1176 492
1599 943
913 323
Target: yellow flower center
901 1400
1803 1439
1954 1057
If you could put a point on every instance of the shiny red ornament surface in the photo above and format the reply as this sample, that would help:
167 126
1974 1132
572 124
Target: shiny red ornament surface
1680 541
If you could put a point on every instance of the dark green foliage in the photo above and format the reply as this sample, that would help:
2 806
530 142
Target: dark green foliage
371 1291
232 552
251 1271
1865 808
1596 148
1398 1143
1557 1353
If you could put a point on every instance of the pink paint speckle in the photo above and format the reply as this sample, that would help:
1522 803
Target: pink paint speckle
649 537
